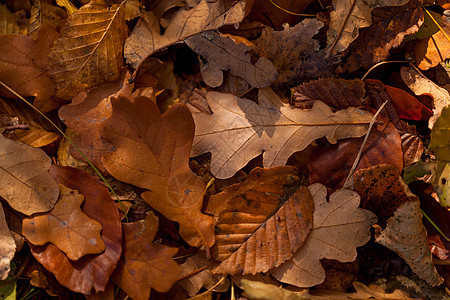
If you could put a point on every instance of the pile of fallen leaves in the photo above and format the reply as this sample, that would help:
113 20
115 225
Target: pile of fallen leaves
223 149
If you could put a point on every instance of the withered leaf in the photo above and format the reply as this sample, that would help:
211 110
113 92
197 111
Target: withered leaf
239 129
153 153
43 13
226 52
91 271
89 50
348 17
145 265
9 23
66 226
339 227
8 248
440 136
256 230
146 37
26 184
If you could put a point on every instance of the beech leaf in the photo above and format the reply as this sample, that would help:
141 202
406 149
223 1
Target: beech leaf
8 248
66 226
339 227
153 153
26 184
89 50
226 52
239 129
145 264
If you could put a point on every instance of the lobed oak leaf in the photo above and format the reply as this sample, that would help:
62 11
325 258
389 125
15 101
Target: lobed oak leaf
339 227
8 248
25 183
257 228
145 265
146 37
89 50
239 129
153 153
227 52
66 226
91 271
9 22
348 17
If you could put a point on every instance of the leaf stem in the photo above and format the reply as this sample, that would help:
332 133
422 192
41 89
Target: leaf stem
435 226
437 24
382 63
290 12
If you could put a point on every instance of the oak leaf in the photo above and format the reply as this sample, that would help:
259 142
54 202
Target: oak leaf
8 248
239 129
89 50
153 153
348 17
146 38
339 227
257 232
25 182
91 271
66 226
145 265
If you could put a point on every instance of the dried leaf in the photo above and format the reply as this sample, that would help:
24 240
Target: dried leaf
26 185
146 38
23 65
440 136
339 227
412 147
43 13
239 129
145 265
362 292
291 49
421 85
8 248
92 271
153 153
226 52
66 226
258 228
89 50
389 26
264 291
9 22
348 17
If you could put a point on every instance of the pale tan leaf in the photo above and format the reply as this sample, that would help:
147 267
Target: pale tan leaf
8 246
89 50
339 227
239 129
146 37
26 184
9 22
421 85
66 226
263 291
226 52
348 17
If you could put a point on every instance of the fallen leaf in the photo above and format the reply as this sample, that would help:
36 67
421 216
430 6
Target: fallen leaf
264 291
362 292
23 65
421 85
26 185
8 248
435 49
153 153
9 22
43 13
412 147
339 227
145 265
389 27
440 136
226 52
348 17
146 37
258 228
66 227
89 50
291 49
239 129
92 271
266 12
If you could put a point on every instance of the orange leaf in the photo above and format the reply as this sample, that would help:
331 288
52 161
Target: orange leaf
257 230
92 271
145 265
66 226
153 153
